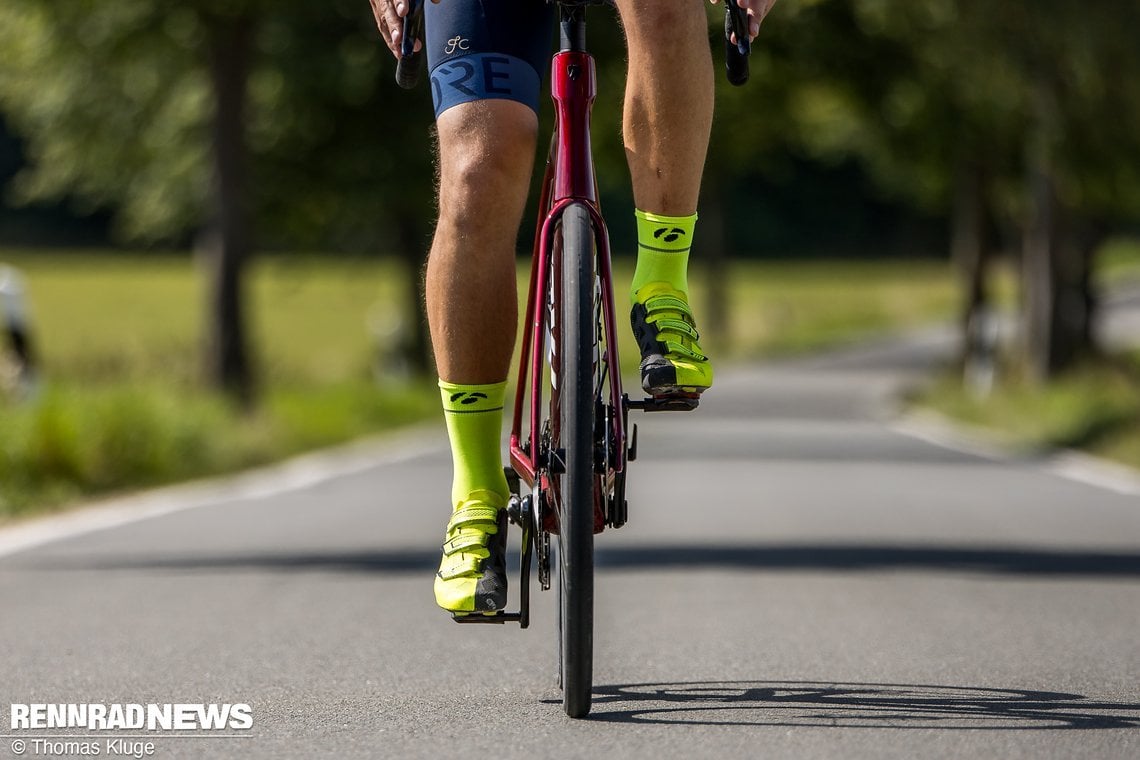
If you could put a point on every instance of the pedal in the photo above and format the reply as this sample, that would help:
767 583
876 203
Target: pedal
497 618
678 403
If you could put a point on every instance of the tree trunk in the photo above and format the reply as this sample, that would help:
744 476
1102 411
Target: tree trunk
1038 283
970 252
1057 265
227 245
1088 236
1072 317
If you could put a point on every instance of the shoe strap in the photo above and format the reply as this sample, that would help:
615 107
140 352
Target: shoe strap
666 324
667 302
471 514
672 348
669 313
470 539
465 566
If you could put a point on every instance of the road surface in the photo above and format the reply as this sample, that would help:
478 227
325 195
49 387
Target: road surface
803 575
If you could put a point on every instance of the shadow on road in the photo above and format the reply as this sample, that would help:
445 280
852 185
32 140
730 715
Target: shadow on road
856 705
774 557
858 557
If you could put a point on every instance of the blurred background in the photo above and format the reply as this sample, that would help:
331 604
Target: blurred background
214 217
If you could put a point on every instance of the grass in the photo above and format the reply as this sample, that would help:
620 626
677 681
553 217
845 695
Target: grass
122 406
120 318
119 336
77 441
785 307
1095 407
1119 260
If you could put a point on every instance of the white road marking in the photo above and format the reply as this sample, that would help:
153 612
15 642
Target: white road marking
292 475
1096 472
1070 465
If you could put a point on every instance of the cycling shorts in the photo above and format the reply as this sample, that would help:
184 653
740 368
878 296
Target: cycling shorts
487 49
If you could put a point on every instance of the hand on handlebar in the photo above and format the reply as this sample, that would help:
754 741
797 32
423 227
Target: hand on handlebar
389 15
756 10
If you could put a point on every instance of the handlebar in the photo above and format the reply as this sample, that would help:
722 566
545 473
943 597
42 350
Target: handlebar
410 65
736 54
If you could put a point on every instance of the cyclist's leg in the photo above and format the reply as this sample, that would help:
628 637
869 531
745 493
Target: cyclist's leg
667 121
486 152
668 102
485 94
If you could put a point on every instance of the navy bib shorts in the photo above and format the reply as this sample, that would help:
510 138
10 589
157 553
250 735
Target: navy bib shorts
487 49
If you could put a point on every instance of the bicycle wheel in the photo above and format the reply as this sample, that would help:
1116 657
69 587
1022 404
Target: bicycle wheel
572 402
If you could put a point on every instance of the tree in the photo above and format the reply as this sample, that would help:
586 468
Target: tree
219 119
1014 114
1081 152
140 106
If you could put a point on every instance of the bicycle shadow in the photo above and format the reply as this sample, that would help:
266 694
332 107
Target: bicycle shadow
856 705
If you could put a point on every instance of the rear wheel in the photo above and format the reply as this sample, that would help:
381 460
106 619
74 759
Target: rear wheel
572 412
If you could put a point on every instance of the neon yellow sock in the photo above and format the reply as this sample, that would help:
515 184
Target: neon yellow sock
474 415
663 244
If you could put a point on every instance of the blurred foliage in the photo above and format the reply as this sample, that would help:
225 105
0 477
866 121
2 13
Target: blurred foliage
1095 407
120 407
113 101
105 318
914 88
851 102
112 110
77 441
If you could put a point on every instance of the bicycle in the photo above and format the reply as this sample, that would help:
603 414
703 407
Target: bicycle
571 449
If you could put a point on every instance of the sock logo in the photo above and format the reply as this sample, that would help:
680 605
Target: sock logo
670 235
468 398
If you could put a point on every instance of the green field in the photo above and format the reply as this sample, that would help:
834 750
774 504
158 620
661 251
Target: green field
1095 407
121 405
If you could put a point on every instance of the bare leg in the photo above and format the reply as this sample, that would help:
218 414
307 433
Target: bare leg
667 121
486 155
668 102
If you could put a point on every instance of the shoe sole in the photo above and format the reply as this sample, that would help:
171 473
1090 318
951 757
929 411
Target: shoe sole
670 391
492 613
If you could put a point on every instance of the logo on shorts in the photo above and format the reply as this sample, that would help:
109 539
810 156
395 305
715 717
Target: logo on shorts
456 43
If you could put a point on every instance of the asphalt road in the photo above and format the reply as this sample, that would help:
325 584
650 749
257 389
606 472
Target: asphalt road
803 576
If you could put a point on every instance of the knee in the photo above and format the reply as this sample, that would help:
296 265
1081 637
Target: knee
649 22
485 163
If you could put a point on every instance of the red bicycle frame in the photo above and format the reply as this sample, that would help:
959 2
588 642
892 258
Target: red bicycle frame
569 179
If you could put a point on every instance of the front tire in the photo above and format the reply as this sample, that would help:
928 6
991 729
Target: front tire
576 519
